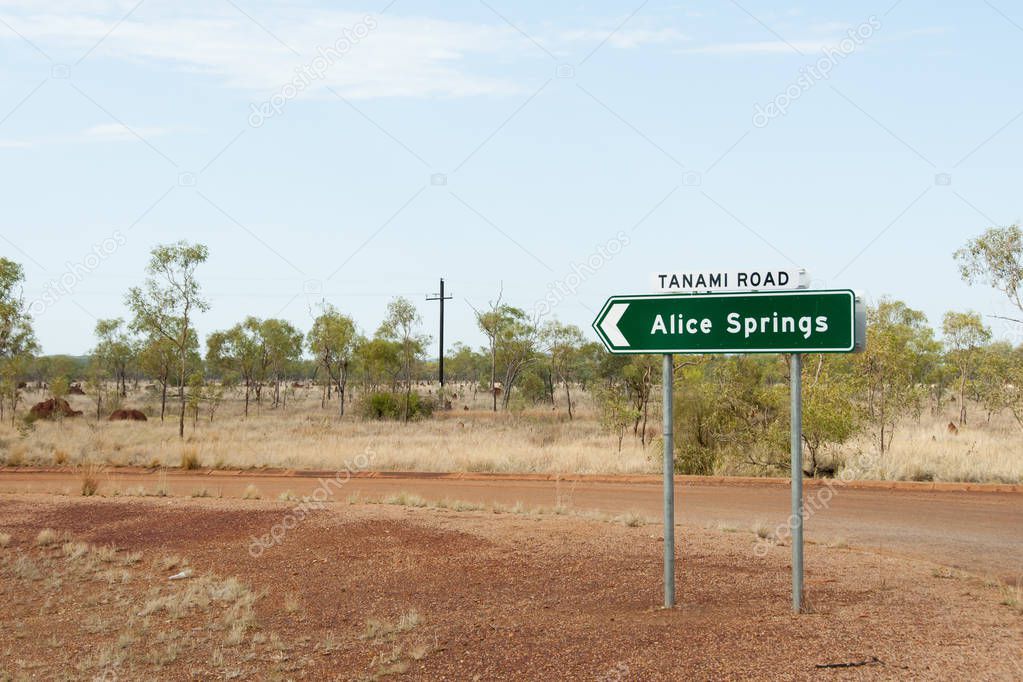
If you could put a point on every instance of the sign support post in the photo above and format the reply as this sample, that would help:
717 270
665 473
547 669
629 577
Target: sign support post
790 322
669 482
796 518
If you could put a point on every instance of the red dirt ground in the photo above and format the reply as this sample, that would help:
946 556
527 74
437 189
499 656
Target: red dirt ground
499 596
971 527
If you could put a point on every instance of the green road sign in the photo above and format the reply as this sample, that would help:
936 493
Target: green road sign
799 321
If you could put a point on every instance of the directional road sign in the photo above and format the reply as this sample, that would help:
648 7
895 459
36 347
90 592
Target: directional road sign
798 321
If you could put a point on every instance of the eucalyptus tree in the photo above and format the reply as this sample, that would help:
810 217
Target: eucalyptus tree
400 326
332 341
116 350
965 334
168 301
17 339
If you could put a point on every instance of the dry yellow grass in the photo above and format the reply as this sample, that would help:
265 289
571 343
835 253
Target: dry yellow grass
541 440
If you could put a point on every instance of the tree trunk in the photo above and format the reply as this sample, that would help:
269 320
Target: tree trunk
181 392
163 398
962 400
493 376
568 399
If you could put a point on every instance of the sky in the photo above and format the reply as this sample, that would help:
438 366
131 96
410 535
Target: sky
553 153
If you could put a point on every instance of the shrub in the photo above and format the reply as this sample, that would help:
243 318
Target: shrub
694 460
388 405
190 458
90 478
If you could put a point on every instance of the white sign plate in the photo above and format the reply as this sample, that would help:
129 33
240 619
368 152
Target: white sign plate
752 279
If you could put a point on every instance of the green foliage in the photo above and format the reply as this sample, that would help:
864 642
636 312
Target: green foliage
900 352
115 350
168 300
389 405
332 341
832 412
16 335
995 258
59 387
512 344
965 334
693 460
616 412
400 328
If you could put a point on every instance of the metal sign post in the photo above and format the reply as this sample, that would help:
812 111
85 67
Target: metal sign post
669 482
782 320
796 519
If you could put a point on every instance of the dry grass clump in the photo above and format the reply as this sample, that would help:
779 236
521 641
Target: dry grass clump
190 458
458 505
763 530
46 537
1012 596
631 519
90 478
405 499
136 621
251 493
382 630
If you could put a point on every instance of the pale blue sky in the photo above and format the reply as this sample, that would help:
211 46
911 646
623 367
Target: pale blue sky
553 131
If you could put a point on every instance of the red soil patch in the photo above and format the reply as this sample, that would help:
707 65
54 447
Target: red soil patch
498 596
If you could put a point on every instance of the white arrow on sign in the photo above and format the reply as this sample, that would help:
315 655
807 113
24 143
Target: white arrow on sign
610 324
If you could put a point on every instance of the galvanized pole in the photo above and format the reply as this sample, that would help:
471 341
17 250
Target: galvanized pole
669 484
796 520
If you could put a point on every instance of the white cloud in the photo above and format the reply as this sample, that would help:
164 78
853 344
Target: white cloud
115 132
759 47
627 38
103 133
398 56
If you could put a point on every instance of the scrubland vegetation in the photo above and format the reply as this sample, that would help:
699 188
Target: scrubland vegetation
536 397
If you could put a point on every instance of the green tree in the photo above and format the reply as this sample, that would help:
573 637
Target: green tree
900 346
563 343
641 374
831 413
196 386
157 358
965 333
996 369
115 350
17 340
400 327
282 347
332 342
96 384
168 301
616 411
238 351
995 258
466 366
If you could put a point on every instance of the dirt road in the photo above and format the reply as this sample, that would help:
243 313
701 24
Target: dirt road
973 530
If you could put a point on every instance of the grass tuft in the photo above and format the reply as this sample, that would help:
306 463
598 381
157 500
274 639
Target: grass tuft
190 458
46 537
